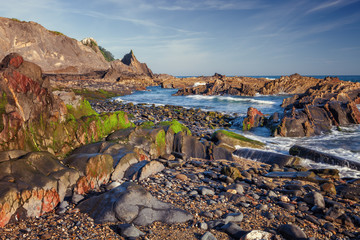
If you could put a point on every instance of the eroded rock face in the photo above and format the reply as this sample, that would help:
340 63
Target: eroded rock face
52 51
131 203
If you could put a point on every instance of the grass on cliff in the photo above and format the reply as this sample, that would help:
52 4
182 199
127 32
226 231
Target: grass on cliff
95 95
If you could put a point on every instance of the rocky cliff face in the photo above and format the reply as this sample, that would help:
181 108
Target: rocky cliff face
52 51
33 118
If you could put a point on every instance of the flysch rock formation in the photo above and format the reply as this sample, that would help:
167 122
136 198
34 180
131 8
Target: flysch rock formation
51 50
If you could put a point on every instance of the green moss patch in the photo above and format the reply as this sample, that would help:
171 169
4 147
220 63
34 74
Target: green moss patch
84 109
176 126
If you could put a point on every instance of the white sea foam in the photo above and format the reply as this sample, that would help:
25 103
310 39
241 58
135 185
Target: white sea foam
231 99
199 84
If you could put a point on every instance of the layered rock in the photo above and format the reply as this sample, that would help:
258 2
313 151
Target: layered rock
51 50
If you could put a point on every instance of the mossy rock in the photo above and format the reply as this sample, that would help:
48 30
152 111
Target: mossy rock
84 109
234 139
232 172
175 126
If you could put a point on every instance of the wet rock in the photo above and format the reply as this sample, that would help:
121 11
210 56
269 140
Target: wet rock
254 118
267 157
132 204
291 232
309 176
322 157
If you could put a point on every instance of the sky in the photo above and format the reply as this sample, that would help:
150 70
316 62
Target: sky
201 37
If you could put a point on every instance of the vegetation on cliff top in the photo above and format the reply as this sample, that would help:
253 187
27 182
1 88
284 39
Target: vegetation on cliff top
107 54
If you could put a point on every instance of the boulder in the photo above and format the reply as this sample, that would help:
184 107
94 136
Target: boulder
32 185
234 140
254 118
291 232
267 157
315 199
322 157
95 170
189 145
131 203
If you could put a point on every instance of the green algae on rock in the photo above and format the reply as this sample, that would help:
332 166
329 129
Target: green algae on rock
234 139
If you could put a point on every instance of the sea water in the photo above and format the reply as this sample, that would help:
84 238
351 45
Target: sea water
344 143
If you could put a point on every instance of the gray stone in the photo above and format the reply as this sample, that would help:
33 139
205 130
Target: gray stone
315 198
203 225
112 185
129 231
233 230
76 198
208 236
234 217
238 187
207 191
150 168
291 232
287 206
131 203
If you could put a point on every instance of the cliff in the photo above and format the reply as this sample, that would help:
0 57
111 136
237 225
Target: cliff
51 50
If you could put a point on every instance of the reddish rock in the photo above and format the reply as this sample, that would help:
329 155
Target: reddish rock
254 118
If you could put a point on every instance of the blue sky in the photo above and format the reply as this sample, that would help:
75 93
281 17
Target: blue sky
232 37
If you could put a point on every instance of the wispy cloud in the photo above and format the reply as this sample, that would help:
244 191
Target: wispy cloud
331 4
200 5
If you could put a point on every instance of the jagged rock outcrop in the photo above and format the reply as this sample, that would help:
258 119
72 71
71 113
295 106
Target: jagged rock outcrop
329 103
131 72
51 50
33 118
220 85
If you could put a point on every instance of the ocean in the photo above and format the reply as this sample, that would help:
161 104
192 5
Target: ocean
344 143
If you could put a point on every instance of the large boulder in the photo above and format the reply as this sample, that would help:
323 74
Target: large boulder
234 140
189 145
32 184
95 170
131 203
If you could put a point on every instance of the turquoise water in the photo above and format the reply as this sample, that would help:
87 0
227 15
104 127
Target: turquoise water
345 143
